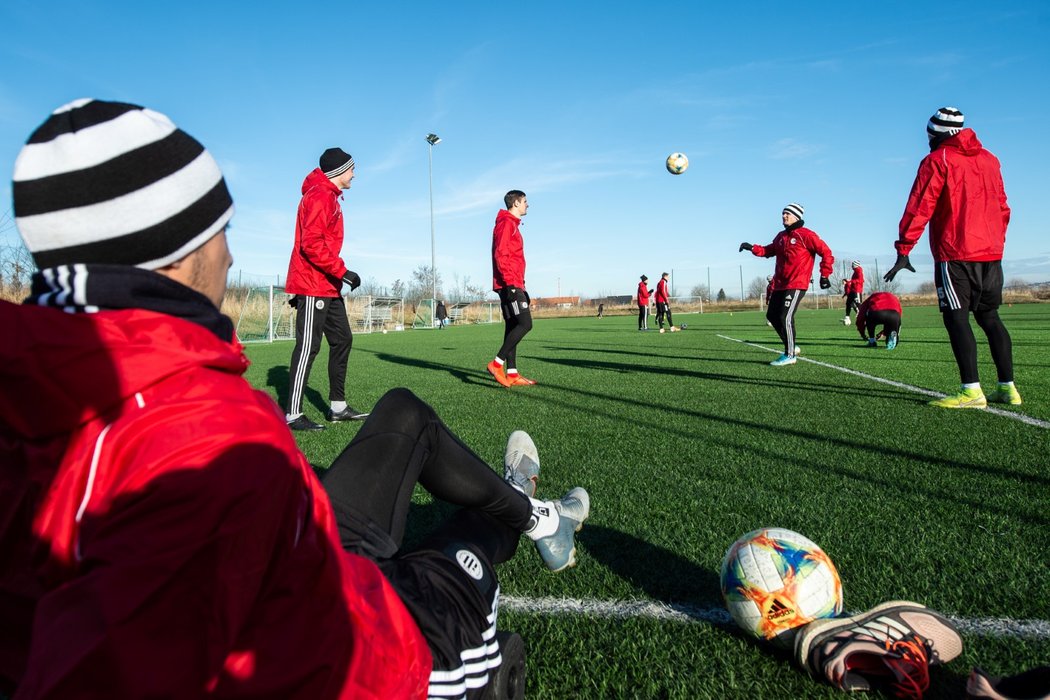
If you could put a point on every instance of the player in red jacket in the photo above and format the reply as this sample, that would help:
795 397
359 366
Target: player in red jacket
643 303
880 309
161 534
795 248
853 290
316 275
959 192
663 307
508 280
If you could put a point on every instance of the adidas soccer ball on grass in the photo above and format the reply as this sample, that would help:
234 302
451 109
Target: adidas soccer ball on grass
775 580
677 163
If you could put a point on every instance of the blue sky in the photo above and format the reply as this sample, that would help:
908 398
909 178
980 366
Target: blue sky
575 103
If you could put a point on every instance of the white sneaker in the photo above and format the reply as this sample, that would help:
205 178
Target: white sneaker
521 463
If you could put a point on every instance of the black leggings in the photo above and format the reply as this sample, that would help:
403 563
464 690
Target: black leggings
889 319
517 320
404 442
662 309
964 344
852 302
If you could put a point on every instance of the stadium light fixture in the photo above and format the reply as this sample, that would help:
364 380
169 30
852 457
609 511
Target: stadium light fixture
433 140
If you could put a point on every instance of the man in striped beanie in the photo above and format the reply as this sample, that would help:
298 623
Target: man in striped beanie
853 290
959 192
163 536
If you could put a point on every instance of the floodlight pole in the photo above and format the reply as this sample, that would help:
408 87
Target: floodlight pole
433 140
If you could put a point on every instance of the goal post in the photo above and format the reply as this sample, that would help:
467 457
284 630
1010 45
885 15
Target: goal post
265 316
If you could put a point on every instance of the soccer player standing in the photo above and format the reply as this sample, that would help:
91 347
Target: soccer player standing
854 290
316 275
508 280
795 249
959 192
662 306
643 303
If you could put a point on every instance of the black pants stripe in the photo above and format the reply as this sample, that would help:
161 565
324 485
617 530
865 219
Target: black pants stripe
316 317
781 314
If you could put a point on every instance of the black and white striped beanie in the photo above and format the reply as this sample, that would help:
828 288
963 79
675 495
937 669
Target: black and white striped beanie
335 161
855 263
948 121
115 183
796 209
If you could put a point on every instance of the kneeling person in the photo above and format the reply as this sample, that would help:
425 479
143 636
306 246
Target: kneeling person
880 309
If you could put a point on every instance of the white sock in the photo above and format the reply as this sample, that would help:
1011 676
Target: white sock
289 417
1003 385
545 518
511 370
498 361
975 385
338 406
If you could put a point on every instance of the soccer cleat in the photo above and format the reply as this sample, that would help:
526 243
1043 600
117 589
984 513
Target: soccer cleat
496 370
662 330
1033 684
798 351
783 360
521 463
846 321
675 329
558 550
304 423
967 398
872 343
892 644
519 380
1005 393
348 413
891 342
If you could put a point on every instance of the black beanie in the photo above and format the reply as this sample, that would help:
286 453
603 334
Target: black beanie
335 162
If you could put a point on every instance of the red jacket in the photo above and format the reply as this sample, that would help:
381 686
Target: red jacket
959 192
643 294
795 252
315 268
661 291
855 284
879 301
162 536
508 252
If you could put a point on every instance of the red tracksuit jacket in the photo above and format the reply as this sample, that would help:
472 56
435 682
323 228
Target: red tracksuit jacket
162 535
315 268
643 294
855 284
959 192
661 291
508 252
795 252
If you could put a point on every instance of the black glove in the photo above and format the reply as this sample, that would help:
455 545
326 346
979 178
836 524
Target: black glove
293 301
744 246
825 283
353 279
902 264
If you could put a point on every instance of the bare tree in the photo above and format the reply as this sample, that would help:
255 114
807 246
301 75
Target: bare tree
700 291
756 288
927 287
422 284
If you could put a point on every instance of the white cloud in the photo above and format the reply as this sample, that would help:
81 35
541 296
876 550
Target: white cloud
792 148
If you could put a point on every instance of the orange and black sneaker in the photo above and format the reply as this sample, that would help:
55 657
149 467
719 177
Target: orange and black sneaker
891 646
518 380
496 370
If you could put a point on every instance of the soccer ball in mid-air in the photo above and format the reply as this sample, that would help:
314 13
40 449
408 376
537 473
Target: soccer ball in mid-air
774 580
845 321
677 163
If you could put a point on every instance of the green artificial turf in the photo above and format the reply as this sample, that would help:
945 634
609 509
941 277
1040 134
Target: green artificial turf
687 440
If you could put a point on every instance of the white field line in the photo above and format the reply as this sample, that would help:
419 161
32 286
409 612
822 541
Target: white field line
654 610
900 385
